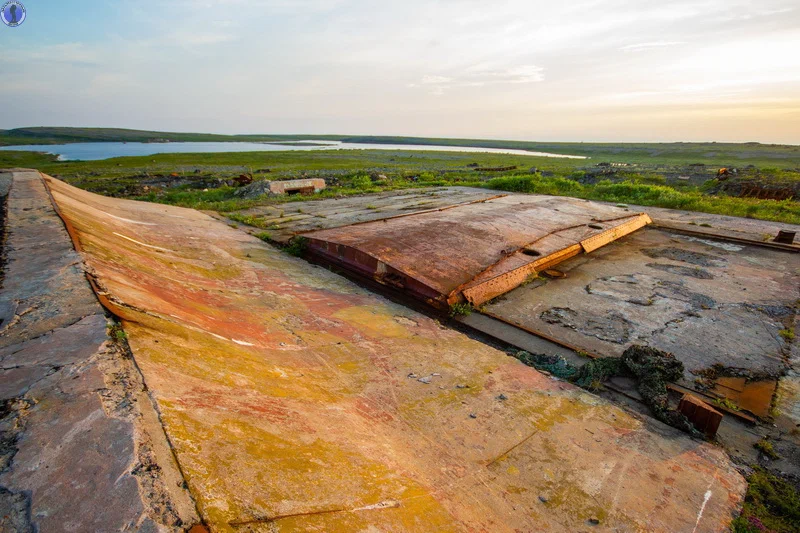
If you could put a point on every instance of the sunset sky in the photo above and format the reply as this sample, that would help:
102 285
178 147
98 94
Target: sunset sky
614 70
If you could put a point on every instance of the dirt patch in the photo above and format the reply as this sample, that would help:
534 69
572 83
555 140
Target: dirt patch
678 270
686 256
611 328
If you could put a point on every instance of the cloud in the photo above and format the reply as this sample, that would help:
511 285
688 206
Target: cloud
480 76
435 80
641 47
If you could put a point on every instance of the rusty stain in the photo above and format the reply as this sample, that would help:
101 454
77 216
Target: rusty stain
753 396
283 387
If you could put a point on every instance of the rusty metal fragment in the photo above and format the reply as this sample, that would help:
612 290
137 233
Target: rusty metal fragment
702 416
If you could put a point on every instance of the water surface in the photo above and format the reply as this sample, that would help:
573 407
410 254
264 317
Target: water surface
94 151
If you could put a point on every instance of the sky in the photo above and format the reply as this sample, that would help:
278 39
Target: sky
611 70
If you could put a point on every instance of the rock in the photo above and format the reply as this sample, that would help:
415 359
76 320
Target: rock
254 190
502 397
473 415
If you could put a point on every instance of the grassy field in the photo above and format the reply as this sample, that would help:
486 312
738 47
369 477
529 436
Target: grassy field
681 176
711 153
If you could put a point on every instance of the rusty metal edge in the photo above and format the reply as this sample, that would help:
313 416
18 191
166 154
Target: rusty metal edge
458 290
672 386
612 234
792 248
319 256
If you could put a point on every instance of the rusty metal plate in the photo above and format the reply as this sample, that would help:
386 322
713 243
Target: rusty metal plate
442 253
296 401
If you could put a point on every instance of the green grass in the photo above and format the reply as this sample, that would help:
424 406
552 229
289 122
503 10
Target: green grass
461 309
633 192
765 447
350 172
297 246
771 504
57 135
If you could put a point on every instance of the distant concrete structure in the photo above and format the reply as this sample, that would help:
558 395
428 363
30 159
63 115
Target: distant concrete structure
306 186
260 188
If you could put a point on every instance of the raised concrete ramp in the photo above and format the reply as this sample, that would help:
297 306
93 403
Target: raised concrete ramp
81 448
296 401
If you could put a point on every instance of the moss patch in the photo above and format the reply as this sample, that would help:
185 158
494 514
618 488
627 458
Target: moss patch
771 504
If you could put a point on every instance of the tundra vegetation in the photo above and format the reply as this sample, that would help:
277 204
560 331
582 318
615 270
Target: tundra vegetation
763 181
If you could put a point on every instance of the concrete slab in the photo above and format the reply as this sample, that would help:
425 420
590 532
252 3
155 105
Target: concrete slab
707 301
72 444
297 401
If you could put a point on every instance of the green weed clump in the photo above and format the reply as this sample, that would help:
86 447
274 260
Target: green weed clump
461 309
117 333
770 505
250 220
787 334
765 447
297 246
536 184
728 404
554 364
362 181
264 236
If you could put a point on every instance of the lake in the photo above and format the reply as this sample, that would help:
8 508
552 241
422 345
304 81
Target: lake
104 150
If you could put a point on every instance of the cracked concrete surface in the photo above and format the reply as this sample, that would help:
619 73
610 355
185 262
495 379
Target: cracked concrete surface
294 400
709 303
77 448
